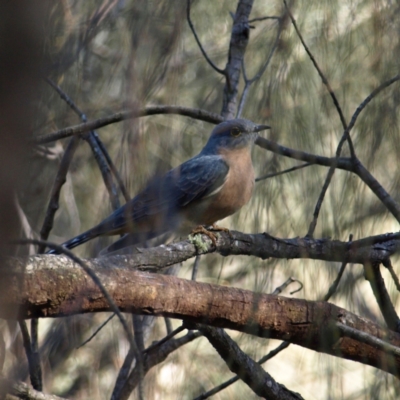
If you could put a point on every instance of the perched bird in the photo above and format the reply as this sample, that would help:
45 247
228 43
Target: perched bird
207 188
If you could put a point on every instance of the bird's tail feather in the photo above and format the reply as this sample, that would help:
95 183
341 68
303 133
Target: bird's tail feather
76 241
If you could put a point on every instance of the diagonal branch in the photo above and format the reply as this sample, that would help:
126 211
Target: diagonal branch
249 371
99 151
320 73
286 171
234 379
361 171
154 357
373 275
219 70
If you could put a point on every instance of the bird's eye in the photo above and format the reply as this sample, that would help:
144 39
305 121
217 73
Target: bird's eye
235 132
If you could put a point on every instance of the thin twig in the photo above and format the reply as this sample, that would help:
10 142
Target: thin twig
366 338
123 374
99 151
164 339
113 168
263 19
153 358
35 378
195 267
59 181
219 70
286 171
285 284
248 82
320 73
374 277
366 176
373 94
97 331
335 284
93 142
104 169
388 264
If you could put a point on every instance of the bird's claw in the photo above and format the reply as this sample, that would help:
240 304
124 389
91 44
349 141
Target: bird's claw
208 231
204 231
221 229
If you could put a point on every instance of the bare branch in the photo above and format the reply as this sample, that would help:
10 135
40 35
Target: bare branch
250 372
373 94
35 372
153 358
306 323
195 267
286 171
343 163
219 70
237 49
374 276
388 264
376 187
285 284
99 151
229 382
164 339
320 73
263 19
369 339
248 82
367 250
59 181
195 113
97 331
335 284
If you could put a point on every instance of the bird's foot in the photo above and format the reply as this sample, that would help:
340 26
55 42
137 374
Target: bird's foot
204 231
221 229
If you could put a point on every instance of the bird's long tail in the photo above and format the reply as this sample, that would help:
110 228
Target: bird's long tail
76 241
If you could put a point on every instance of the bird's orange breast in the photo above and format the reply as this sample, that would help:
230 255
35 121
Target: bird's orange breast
237 189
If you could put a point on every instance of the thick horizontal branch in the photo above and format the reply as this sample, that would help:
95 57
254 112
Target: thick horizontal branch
67 290
374 249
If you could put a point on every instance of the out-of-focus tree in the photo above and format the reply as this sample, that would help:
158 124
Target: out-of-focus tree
152 77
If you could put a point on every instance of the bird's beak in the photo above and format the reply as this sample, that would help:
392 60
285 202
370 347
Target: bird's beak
259 128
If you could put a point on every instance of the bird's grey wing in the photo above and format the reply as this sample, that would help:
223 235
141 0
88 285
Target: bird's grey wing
197 178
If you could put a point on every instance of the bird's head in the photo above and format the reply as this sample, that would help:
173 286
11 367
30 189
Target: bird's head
233 134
